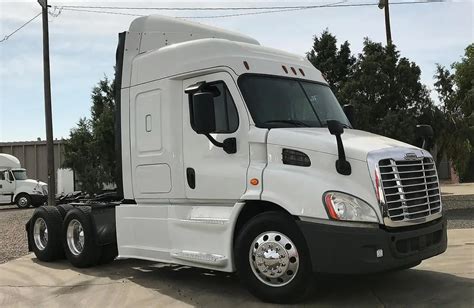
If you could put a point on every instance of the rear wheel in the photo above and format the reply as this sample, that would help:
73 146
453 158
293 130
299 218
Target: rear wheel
79 238
272 258
64 209
45 233
23 201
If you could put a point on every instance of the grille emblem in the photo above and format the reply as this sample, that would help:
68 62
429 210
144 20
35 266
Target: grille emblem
410 156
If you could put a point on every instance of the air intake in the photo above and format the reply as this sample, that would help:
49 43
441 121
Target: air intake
295 158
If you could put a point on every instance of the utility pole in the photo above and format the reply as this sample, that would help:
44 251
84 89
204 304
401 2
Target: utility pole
383 4
47 106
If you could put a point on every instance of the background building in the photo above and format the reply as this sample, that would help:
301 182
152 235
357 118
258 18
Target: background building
32 155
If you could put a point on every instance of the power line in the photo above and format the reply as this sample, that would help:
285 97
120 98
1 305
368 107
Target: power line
264 10
18 29
260 12
223 8
187 8
203 17
101 12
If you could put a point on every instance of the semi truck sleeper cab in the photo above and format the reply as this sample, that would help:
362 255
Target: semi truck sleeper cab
239 158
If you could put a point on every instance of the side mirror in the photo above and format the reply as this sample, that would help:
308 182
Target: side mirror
425 133
335 127
204 120
203 114
349 110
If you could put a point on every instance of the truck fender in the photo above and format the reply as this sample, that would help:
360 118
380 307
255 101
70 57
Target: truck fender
104 224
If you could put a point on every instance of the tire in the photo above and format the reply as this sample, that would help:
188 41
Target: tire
47 246
278 232
64 209
80 252
23 201
109 252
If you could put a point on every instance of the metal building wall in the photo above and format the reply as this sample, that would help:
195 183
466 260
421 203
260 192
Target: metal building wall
32 155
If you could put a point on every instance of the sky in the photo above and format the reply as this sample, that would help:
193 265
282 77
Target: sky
83 45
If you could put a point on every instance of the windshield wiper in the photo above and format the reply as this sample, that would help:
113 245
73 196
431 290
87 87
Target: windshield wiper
294 122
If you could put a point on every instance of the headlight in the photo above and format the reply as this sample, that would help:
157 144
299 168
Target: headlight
341 206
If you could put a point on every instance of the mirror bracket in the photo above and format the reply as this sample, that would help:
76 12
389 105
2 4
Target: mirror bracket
342 165
229 145
195 87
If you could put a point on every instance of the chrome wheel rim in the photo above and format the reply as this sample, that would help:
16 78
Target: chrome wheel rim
40 234
23 201
75 237
274 259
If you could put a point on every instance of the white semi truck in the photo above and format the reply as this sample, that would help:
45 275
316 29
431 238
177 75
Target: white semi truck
16 188
238 158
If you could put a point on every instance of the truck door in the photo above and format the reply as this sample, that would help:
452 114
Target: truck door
211 173
7 186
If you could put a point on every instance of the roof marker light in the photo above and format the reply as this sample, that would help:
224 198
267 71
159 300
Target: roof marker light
247 66
302 72
285 69
293 70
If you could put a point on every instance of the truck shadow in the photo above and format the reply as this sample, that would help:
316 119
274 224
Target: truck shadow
12 208
199 287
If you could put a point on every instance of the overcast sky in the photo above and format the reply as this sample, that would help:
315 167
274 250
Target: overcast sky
83 47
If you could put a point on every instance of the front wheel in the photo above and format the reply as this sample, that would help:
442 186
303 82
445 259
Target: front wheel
272 259
23 201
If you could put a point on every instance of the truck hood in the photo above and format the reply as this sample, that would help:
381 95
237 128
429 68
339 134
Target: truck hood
357 144
31 183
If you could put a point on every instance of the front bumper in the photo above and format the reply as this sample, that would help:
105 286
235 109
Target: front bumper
353 250
38 199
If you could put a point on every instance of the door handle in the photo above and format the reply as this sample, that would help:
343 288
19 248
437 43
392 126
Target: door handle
191 177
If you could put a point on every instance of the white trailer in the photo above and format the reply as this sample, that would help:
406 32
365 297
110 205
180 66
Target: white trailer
16 188
238 158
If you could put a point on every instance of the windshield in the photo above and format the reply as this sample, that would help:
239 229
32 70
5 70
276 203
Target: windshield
282 102
20 175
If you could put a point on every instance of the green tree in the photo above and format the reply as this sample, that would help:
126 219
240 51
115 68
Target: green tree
456 94
387 94
103 126
90 150
335 64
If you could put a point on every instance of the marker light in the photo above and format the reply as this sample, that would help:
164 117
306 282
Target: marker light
341 206
285 69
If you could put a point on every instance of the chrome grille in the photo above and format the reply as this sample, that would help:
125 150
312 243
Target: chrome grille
410 188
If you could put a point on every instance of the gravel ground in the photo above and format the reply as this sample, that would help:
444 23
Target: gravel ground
13 243
460 211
